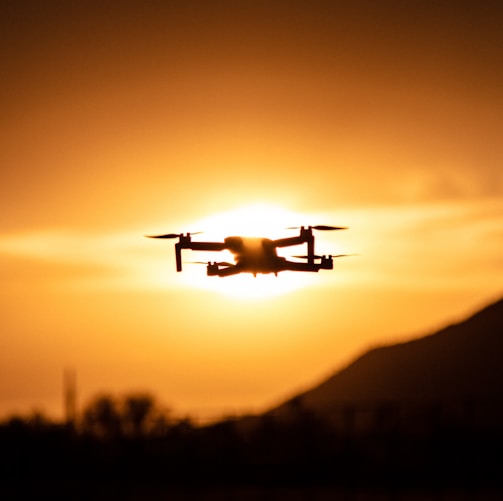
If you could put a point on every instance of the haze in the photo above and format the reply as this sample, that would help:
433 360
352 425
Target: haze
121 119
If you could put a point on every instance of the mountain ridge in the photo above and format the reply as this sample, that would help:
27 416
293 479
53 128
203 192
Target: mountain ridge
462 361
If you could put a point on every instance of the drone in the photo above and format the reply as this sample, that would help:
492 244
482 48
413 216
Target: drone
257 255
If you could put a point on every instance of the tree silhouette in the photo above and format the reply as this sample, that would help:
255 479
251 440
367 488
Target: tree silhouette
102 417
138 414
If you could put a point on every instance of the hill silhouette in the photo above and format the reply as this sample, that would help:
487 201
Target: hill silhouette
462 362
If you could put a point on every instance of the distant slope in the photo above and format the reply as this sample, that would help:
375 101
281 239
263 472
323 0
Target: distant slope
462 361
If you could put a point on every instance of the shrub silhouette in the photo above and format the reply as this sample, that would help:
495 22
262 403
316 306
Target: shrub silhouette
133 415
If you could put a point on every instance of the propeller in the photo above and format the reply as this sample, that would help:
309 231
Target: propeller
172 235
321 227
220 263
316 256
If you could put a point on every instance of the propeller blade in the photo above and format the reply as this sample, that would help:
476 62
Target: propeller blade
329 228
220 263
321 227
316 256
172 235
168 235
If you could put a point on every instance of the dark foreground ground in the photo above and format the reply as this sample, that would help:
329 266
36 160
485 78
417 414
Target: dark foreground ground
256 493
358 455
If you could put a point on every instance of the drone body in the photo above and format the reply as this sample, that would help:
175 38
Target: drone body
256 255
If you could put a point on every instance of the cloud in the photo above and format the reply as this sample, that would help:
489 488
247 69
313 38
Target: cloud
71 259
448 183
445 245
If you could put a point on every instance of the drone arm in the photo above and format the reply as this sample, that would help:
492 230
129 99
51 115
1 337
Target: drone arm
206 246
306 236
326 264
200 246
287 242
228 271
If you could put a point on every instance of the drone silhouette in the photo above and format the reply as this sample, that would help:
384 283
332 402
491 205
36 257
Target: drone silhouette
257 255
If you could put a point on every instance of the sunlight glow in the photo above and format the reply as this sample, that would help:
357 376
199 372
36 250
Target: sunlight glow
246 286
256 220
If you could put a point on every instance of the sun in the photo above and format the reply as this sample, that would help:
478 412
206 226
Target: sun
256 220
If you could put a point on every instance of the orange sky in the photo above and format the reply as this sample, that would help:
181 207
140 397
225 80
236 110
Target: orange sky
121 119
